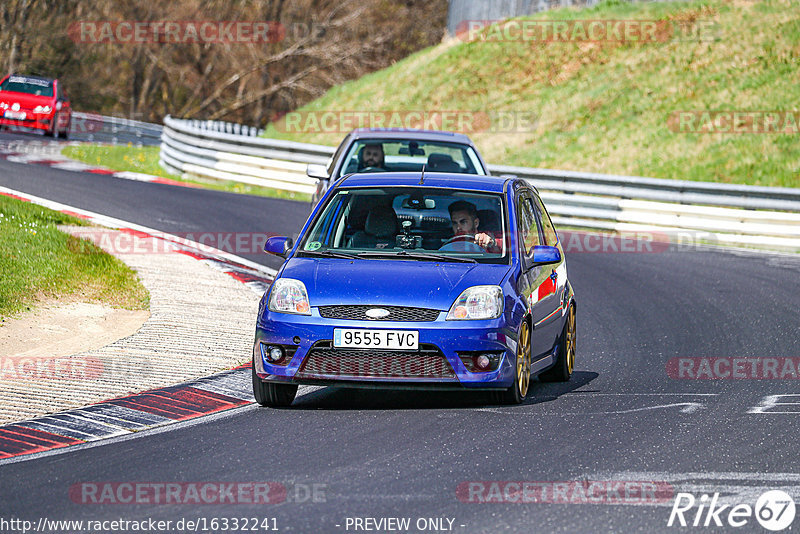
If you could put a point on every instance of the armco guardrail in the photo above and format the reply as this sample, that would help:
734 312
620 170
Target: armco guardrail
102 128
724 213
729 214
204 148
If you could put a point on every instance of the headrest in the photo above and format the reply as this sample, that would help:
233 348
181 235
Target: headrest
442 163
436 158
488 221
381 222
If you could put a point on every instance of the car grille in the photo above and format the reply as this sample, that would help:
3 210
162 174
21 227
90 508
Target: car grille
323 361
396 313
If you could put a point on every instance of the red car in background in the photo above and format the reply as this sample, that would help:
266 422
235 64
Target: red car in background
35 102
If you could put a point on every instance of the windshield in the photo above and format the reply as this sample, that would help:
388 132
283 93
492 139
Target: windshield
415 223
381 155
31 86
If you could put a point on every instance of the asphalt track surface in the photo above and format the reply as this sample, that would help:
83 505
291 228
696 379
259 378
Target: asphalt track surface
377 454
103 134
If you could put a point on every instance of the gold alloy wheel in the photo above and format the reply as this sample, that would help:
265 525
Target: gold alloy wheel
570 348
524 359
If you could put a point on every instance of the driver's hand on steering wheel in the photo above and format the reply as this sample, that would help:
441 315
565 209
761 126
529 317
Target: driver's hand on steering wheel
485 240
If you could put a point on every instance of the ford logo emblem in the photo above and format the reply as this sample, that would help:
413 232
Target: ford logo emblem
15 106
376 313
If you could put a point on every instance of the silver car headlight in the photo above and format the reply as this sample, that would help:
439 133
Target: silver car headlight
477 302
42 109
289 296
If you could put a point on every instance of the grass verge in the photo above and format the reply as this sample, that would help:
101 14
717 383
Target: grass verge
38 262
605 106
144 159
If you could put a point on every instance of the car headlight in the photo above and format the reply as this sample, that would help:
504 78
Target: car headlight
42 109
477 302
3 105
289 296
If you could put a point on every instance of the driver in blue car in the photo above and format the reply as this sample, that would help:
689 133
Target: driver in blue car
464 219
372 158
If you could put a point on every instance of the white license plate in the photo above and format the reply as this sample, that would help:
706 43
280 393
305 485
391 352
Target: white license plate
376 339
17 115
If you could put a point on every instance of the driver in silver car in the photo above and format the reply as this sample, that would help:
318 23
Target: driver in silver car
371 158
465 221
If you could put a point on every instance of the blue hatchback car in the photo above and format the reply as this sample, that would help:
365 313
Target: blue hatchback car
409 280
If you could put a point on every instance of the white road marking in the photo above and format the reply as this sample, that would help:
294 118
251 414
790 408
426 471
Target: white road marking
644 394
771 401
688 407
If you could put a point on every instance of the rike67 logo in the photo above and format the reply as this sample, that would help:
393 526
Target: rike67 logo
774 510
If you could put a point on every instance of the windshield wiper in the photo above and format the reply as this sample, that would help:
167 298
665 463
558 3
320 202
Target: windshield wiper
330 254
417 256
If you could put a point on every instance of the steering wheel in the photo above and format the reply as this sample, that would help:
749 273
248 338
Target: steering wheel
372 169
461 243
461 237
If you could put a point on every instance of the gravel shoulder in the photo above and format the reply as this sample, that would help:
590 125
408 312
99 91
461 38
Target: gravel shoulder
65 356
56 329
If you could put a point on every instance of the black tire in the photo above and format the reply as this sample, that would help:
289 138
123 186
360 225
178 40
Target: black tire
271 394
54 132
522 369
565 361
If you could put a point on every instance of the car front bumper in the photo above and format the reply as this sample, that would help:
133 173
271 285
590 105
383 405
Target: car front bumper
435 365
32 120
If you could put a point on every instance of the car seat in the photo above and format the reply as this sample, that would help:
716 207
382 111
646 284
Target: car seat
380 229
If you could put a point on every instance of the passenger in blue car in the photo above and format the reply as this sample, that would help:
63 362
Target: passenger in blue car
465 221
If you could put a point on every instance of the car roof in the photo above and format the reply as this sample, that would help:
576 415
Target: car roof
445 180
410 133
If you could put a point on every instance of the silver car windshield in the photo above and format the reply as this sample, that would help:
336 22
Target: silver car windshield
381 155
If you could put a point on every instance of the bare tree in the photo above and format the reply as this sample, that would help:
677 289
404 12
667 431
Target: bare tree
320 43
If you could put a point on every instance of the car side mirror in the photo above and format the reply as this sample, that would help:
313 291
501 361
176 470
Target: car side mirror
278 245
59 104
315 170
543 254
